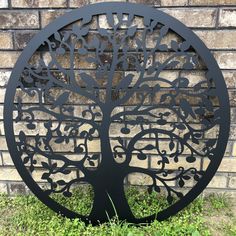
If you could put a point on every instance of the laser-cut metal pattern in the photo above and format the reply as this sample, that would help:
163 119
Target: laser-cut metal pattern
116 84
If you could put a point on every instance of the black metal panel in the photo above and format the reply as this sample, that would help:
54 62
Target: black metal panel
149 75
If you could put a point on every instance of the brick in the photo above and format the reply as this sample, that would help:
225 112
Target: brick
78 3
17 188
49 16
228 164
211 2
232 182
194 17
37 174
226 59
6 40
3 144
8 59
230 78
25 97
138 163
74 98
212 133
21 126
174 3
147 2
4 77
218 39
19 19
1 128
2 94
228 148
97 1
93 146
22 38
1 111
4 4
232 134
3 188
38 3
139 179
218 181
227 18
233 115
64 60
7 160
232 97
116 127
234 150
173 165
10 174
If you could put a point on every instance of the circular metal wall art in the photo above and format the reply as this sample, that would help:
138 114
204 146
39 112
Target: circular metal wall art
115 96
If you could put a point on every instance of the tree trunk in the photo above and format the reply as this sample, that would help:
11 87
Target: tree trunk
110 200
108 183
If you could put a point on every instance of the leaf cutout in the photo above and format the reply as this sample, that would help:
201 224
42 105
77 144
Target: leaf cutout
82 51
149 147
61 182
110 19
169 199
125 130
208 104
86 19
125 82
102 31
164 30
157 189
95 157
57 36
67 194
84 31
181 183
184 46
190 159
211 142
60 139
171 145
45 176
180 126
78 149
45 165
131 31
188 66
161 122
150 188
172 64
141 156
174 45
187 109
91 60
60 51
91 83
163 47
91 163
61 99
22 136
121 141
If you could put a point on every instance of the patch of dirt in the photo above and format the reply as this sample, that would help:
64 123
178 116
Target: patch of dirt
218 221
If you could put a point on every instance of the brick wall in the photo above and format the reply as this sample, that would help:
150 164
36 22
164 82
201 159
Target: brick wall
214 21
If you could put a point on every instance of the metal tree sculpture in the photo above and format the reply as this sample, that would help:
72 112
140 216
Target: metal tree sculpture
142 86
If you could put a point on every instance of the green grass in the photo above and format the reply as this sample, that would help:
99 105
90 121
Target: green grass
25 215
